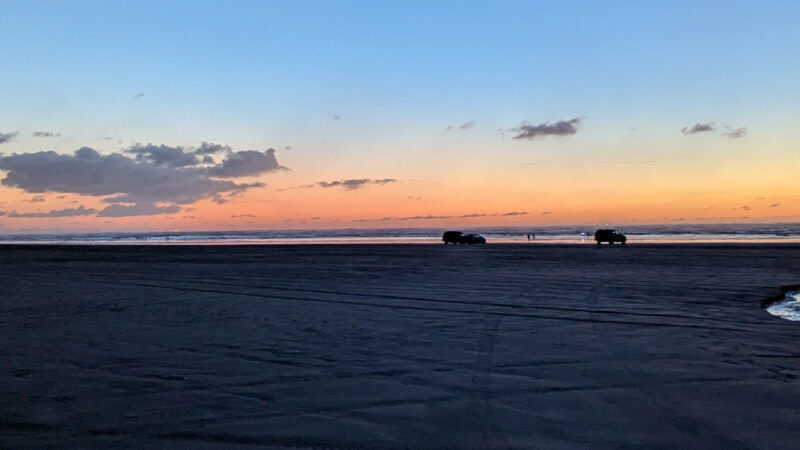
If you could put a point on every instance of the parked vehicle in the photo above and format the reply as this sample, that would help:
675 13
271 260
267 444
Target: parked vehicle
457 237
609 236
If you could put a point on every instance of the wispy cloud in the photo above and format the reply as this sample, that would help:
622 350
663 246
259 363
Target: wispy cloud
442 217
699 128
774 205
463 126
336 117
736 134
560 128
69 212
237 216
138 209
137 96
45 134
8 137
354 183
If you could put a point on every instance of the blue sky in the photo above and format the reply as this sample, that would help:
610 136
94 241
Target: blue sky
373 85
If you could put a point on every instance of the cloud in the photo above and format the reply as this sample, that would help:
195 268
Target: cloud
737 133
356 183
138 209
164 155
699 128
774 205
414 197
208 148
137 96
560 128
428 217
45 134
515 213
336 117
464 126
236 216
7 137
69 212
546 213
157 174
746 208
246 163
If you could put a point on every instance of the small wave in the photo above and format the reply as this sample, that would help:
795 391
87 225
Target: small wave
788 308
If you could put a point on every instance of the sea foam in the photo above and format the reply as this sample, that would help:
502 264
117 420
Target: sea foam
788 308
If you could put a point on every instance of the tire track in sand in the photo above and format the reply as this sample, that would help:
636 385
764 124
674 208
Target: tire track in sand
671 407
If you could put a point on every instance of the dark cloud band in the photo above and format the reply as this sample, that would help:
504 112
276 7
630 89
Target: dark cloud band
355 183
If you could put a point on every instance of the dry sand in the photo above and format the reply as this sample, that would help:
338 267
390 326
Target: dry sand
398 346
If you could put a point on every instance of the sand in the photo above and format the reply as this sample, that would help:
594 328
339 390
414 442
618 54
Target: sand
398 346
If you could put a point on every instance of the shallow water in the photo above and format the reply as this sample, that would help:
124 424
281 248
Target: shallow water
788 308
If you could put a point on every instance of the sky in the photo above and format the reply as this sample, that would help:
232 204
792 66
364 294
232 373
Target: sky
235 115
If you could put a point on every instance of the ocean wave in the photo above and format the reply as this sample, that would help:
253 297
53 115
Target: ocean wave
788 308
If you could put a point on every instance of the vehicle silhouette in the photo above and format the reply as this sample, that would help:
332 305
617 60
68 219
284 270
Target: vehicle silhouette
457 237
609 236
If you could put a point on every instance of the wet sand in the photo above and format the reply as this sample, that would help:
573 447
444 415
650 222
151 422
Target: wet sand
397 346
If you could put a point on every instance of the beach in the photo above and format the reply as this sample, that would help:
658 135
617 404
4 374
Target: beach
398 346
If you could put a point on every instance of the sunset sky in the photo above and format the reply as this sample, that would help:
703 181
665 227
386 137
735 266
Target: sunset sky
202 115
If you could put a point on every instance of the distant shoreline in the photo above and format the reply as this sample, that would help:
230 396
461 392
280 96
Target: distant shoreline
505 245
571 234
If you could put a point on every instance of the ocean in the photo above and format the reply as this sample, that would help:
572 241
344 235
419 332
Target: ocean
578 234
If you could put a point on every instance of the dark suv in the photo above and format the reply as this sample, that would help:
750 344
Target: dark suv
457 237
609 236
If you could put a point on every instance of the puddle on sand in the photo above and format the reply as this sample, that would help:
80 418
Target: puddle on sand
788 308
